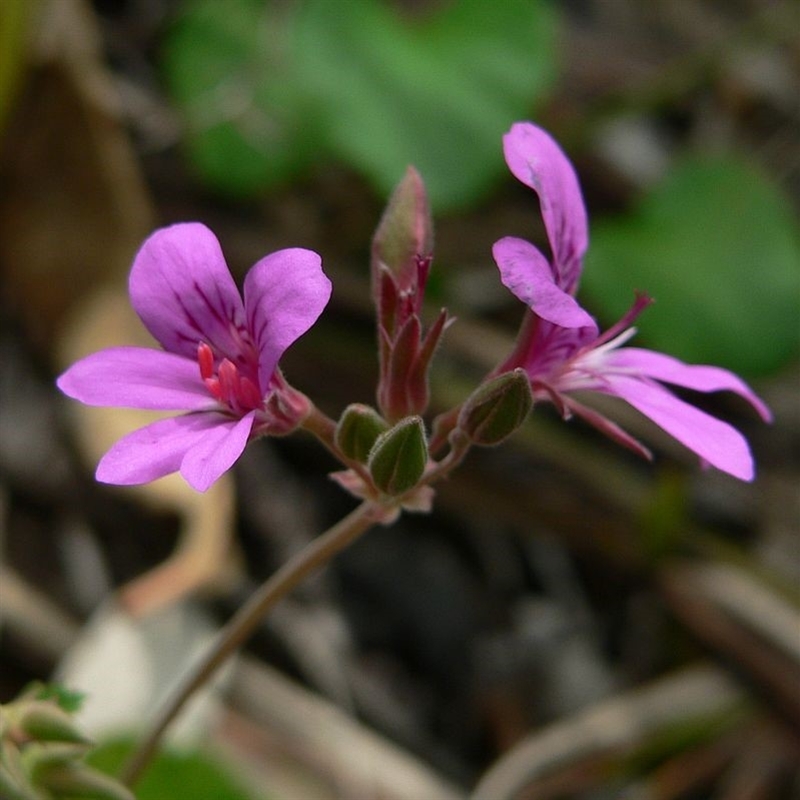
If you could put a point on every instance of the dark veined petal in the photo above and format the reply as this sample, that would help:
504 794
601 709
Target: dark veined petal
536 159
202 446
137 377
529 276
285 293
701 378
184 293
716 442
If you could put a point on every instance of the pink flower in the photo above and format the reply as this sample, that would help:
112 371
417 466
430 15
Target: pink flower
560 346
220 358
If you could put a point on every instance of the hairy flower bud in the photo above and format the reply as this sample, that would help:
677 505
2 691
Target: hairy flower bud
404 233
497 408
358 428
399 456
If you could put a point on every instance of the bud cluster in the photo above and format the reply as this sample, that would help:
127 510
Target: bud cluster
42 751
387 450
401 262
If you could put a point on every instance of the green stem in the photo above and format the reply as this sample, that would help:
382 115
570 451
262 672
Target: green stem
459 447
318 553
443 426
323 427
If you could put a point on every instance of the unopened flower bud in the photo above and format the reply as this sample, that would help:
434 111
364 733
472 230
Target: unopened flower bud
404 233
358 428
399 457
44 721
497 408
38 757
79 780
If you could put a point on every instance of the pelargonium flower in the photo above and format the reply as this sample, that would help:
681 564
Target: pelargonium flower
220 358
560 346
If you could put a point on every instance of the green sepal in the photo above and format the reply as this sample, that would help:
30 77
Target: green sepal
357 430
399 456
496 408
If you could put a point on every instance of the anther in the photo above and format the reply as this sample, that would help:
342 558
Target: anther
228 381
205 358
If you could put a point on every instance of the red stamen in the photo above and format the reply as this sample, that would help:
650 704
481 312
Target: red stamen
226 384
205 358
212 384
228 381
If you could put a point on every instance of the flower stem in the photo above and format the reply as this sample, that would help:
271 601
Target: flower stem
459 447
324 428
318 553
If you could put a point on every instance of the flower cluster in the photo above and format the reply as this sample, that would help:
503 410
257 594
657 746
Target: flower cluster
220 352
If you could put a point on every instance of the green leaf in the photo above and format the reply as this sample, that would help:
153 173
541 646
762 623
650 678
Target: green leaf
177 776
437 93
67 699
230 67
267 88
717 246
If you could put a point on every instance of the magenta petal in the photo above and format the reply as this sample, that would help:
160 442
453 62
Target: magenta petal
182 289
535 158
285 293
528 275
216 452
137 377
714 441
155 450
701 378
180 443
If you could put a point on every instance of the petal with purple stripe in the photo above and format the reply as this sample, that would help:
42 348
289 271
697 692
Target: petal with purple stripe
285 292
184 293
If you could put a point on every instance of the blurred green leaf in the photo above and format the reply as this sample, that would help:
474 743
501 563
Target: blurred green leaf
437 94
268 89
172 775
716 245
67 699
231 68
